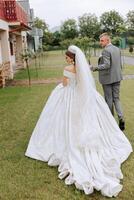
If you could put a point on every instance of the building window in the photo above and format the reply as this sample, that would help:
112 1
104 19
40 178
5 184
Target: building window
11 48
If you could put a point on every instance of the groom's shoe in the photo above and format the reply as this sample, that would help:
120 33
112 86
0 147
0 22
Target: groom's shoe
122 124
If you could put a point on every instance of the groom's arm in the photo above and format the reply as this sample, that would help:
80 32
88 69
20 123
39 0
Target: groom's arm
105 63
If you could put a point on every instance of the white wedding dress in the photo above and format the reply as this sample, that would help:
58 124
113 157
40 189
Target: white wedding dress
89 151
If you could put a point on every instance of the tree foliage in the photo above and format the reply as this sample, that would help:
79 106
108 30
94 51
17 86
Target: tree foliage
47 38
130 19
86 33
41 24
89 26
111 22
69 29
56 38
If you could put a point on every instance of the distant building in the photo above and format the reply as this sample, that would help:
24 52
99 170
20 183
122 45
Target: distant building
34 36
13 37
16 35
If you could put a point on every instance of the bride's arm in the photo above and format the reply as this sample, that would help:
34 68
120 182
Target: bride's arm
65 81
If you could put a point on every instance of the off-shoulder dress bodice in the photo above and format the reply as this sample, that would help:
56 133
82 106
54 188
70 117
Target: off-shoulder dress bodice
71 76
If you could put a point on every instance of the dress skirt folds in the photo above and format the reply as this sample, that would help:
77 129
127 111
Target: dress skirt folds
91 157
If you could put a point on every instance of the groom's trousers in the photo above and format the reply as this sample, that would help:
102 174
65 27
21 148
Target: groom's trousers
111 94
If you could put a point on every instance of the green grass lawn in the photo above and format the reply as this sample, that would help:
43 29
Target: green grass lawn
42 73
52 65
128 69
49 66
22 178
55 58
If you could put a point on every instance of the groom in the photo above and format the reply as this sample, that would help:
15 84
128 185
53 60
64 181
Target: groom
109 68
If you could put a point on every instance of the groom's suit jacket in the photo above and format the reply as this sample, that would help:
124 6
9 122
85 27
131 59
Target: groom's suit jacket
109 65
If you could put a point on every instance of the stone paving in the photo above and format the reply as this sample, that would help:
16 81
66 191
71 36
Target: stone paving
128 60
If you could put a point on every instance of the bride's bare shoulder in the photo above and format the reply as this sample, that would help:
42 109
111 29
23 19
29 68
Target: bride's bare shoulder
70 68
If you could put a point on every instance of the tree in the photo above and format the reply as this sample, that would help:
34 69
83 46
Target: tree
116 41
47 38
130 27
130 41
89 26
65 43
111 22
41 24
130 19
56 38
121 30
69 29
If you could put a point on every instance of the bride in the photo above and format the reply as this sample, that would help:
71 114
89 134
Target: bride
77 132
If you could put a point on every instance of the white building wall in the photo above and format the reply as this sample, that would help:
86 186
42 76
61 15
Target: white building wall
3 25
5 50
4 41
0 53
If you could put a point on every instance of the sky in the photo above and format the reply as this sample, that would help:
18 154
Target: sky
55 12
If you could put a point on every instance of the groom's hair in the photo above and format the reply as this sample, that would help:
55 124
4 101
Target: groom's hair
104 34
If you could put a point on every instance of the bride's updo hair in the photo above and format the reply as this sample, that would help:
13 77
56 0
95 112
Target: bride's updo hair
71 55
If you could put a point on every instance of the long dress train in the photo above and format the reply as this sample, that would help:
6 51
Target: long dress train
58 140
